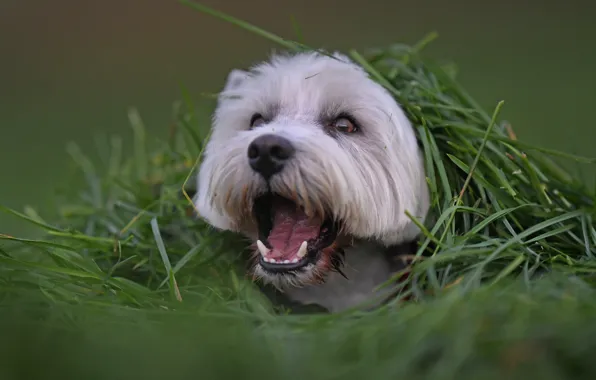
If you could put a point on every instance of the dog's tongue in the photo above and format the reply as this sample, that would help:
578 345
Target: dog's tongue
291 227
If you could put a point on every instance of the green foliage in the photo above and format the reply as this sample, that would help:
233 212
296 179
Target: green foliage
511 332
127 282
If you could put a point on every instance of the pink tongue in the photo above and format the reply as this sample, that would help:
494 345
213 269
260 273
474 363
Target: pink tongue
291 227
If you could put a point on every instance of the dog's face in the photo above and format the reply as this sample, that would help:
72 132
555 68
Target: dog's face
306 154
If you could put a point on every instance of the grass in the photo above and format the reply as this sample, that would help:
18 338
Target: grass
126 283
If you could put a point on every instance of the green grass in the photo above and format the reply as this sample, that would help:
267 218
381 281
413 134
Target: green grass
124 283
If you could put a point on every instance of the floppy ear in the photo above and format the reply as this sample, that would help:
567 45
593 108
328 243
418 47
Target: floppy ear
235 78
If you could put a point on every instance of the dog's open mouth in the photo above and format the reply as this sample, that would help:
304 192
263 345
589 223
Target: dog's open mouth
289 239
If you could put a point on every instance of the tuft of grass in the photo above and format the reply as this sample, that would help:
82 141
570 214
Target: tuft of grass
500 207
127 282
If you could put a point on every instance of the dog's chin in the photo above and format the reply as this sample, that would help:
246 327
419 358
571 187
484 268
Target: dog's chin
293 248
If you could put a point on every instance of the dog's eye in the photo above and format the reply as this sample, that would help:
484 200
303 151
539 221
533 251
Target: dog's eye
344 124
256 120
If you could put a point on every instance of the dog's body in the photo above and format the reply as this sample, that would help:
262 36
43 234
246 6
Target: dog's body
317 165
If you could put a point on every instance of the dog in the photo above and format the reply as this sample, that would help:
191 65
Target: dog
316 164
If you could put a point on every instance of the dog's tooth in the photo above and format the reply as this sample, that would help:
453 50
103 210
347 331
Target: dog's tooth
264 250
295 260
302 250
286 261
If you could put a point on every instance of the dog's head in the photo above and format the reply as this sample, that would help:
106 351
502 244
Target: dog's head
306 154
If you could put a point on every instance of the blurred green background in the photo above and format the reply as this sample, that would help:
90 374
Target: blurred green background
70 69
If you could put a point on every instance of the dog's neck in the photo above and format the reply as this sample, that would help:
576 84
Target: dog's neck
366 266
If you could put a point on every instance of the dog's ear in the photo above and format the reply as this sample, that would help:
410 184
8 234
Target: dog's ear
235 78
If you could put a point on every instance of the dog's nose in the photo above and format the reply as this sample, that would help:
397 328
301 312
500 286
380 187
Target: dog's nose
267 154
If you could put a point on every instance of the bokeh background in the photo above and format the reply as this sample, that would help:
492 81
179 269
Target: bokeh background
69 69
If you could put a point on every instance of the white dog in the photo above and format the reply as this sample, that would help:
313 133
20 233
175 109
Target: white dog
317 164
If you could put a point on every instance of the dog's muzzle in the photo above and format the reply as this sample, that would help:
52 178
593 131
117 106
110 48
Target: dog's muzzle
290 237
267 154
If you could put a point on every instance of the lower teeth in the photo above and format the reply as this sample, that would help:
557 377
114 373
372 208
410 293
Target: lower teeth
302 250
293 261
264 251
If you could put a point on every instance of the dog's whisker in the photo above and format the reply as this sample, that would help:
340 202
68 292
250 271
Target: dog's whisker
320 209
228 196
302 194
245 190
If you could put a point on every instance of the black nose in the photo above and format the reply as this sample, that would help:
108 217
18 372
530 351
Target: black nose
267 154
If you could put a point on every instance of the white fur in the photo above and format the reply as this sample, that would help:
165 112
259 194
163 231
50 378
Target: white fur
367 180
365 269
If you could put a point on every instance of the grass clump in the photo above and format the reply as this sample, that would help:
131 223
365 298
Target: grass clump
127 283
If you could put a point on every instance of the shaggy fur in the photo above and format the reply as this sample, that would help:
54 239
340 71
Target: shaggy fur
365 180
